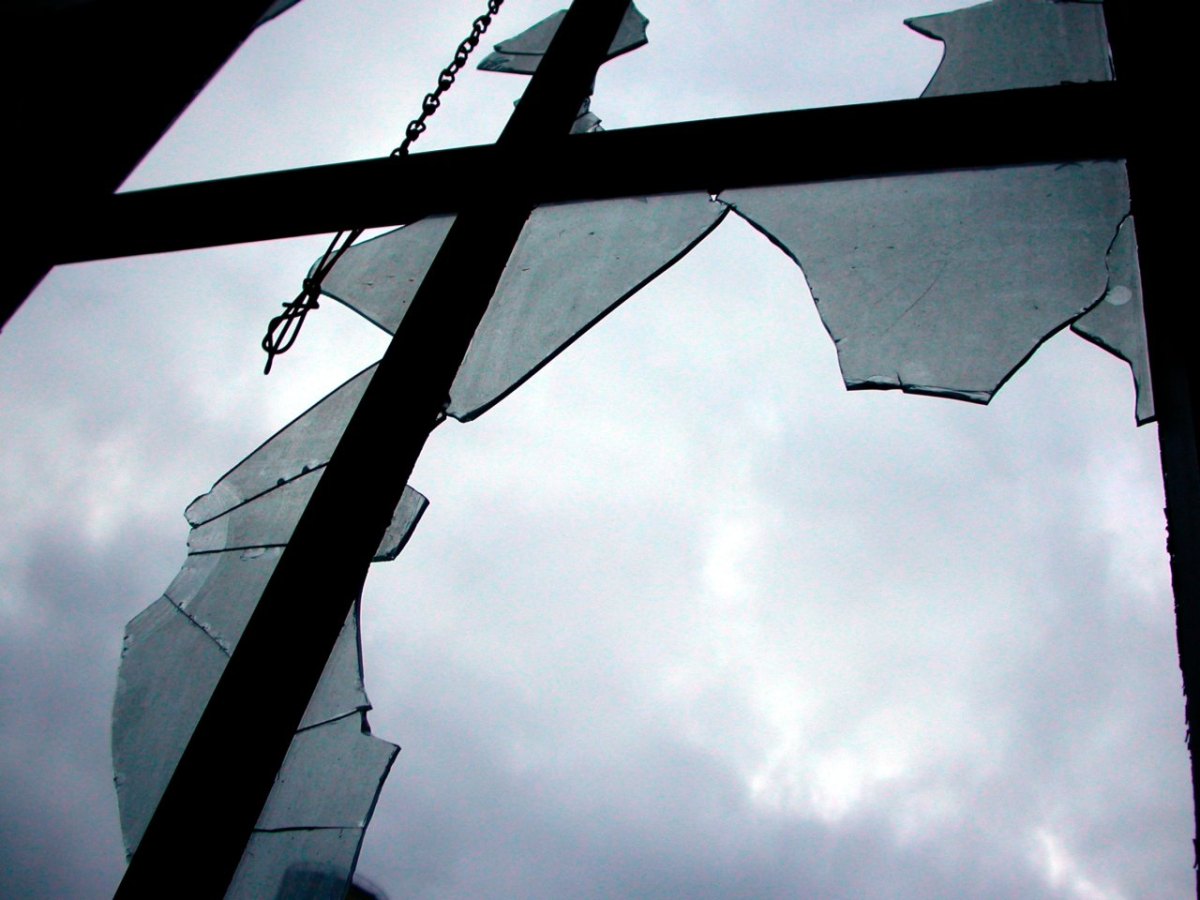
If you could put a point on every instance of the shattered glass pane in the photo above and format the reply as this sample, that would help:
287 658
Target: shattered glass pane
572 265
954 278
177 649
522 54
948 284
1117 323
1017 44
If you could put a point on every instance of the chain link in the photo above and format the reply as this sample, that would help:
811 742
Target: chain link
433 100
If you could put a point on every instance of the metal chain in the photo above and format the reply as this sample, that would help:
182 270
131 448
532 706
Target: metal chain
285 328
432 101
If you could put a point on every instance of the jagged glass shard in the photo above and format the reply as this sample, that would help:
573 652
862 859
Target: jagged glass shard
169 668
220 590
168 665
572 264
1117 323
315 864
1016 44
176 651
300 446
586 123
313 789
522 54
1035 43
378 278
943 284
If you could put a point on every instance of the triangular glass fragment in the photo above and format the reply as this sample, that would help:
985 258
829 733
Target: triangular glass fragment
1117 323
521 55
572 265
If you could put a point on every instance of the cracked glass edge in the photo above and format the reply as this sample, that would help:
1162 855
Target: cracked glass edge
269 519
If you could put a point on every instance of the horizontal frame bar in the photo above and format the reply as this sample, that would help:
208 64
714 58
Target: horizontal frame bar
1035 125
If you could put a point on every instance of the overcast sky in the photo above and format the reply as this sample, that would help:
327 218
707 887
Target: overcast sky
684 618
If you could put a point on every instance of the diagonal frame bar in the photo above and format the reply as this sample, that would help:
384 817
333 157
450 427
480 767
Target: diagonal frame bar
227 771
1038 125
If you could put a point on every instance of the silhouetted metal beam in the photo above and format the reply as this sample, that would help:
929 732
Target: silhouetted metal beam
1153 63
95 85
1055 124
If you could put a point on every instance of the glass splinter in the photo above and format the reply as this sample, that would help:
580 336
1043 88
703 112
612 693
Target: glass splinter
302 445
378 278
315 864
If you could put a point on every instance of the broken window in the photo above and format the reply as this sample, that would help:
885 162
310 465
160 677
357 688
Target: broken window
949 284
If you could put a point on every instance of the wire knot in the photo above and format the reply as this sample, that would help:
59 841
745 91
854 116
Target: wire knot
283 330
285 327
